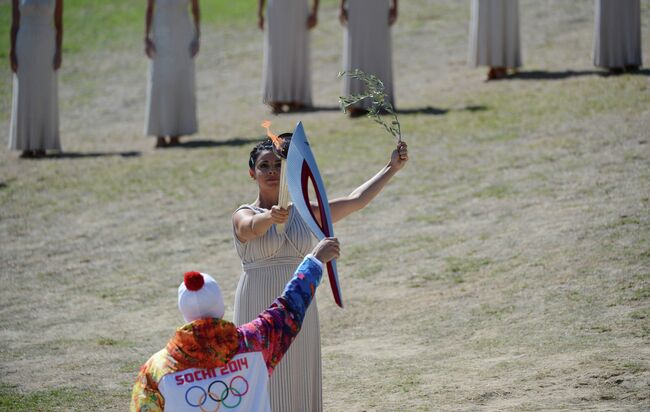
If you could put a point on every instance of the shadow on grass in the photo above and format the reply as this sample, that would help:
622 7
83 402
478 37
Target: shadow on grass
200 144
437 111
322 109
434 111
547 75
429 110
83 155
312 109
318 109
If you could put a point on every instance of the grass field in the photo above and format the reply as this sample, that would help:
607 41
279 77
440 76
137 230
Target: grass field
507 267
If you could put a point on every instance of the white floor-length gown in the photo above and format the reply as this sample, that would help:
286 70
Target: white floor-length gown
35 102
287 71
617 33
367 46
171 91
494 34
268 263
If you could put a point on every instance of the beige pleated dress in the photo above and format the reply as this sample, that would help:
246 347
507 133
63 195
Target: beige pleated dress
268 263
494 34
35 101
171 90
367 46
286 71
617 33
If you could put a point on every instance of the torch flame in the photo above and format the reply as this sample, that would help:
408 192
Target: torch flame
277 141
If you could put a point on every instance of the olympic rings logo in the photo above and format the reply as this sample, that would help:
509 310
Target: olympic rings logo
229 395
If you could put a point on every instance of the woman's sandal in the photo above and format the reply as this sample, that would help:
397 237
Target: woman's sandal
27 154
160 143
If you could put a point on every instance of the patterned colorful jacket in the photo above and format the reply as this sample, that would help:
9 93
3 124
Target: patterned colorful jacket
213 365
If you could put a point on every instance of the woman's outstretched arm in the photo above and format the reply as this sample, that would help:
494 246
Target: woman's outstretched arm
362 195
250 225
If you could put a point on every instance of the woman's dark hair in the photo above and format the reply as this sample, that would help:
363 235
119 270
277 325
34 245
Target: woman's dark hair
265 145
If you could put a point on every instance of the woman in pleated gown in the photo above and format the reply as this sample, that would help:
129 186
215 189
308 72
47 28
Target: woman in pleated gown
35 56
286 82
367 46
617 35
269 256
494 36
171 43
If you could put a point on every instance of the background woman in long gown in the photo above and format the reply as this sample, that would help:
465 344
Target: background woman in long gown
35 56
617 35
171 42
269 257
287 71
494 36
367 45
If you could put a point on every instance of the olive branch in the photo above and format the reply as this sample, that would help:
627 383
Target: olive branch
379 105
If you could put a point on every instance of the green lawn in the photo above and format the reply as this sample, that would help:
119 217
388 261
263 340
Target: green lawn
89 24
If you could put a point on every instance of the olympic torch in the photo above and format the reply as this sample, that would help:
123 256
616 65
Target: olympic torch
280 149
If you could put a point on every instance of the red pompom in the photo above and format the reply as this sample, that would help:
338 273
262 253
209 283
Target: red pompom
193 281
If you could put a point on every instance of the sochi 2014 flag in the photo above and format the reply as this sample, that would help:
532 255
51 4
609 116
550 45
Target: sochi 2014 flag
301 169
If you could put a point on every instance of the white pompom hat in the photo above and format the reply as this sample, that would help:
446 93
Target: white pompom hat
199 296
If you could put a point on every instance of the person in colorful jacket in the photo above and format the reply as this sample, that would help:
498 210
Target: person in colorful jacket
210 364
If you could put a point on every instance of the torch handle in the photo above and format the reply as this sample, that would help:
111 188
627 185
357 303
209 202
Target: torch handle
283 195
